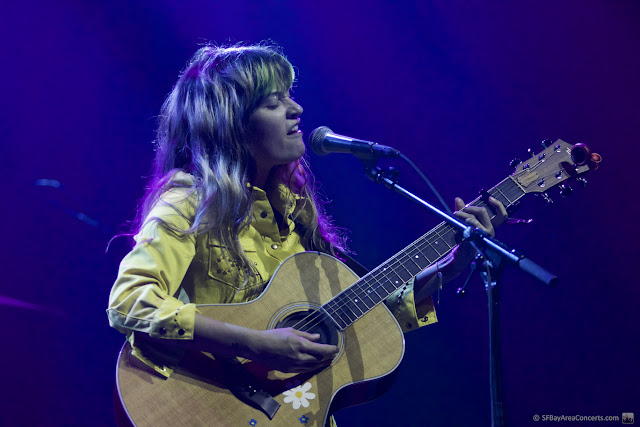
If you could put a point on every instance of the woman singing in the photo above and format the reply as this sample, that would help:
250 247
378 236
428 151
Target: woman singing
230 198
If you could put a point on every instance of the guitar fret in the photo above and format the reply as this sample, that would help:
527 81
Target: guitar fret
403 272
365 294
390 274
341 314
374 284
394 283
346 311
338 319
352 303
426 253
353 308
501 197
356 302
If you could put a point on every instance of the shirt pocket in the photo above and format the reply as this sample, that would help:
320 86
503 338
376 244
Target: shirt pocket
227 271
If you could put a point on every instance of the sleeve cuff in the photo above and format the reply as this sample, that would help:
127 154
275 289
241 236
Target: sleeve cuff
402 305
174 320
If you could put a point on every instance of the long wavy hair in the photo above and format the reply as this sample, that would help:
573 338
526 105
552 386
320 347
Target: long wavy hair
202 131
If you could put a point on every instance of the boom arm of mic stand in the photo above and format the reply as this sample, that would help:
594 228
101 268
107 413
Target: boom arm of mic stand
481 241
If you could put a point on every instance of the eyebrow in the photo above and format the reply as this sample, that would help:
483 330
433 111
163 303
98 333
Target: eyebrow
278 94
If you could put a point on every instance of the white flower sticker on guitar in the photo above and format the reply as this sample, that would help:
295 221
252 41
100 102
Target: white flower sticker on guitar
299 396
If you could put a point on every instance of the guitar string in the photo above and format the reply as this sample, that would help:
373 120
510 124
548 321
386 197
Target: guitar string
408 253
539 162
405 252
342 305
314 319
390 265
365 291
438 232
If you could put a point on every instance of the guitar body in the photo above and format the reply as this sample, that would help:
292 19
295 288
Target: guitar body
199 392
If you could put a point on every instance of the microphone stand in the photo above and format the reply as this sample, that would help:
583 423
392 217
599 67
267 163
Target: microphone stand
496 255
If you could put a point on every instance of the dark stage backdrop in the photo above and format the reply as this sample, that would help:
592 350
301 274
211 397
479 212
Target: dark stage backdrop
460 87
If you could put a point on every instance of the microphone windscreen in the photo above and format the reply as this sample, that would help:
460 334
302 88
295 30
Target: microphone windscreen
316 138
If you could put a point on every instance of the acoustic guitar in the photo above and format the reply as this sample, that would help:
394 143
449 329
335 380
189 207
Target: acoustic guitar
314 292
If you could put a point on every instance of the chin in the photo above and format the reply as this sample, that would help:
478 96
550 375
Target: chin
300 150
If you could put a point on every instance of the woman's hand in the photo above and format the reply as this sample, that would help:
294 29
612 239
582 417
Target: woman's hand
456 262
290 350
477 217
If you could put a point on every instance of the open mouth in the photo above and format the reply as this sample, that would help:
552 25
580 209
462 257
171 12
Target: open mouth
294 130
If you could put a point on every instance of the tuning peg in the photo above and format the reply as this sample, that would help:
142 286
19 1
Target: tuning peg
530 153
565 190
546 198
546 143
582 181
515 162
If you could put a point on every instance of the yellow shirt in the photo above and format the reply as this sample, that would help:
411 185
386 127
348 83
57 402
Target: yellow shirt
166 274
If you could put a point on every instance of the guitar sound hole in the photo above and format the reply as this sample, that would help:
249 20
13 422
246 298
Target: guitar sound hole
314 322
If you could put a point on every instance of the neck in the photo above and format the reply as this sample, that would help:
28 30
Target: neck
262 177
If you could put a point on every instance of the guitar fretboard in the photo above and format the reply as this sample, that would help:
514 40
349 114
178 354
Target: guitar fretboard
354 302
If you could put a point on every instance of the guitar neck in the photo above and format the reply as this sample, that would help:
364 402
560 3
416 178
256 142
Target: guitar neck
354 302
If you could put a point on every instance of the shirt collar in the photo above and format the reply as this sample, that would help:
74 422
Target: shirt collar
288 203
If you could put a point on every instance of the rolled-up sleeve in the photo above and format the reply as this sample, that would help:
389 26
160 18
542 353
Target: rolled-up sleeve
402 305
143 298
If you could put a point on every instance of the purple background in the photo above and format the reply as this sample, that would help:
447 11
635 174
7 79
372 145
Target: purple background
460 87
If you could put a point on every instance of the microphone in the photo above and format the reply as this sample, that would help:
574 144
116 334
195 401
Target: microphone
323 141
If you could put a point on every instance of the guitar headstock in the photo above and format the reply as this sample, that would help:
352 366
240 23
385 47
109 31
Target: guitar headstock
557 163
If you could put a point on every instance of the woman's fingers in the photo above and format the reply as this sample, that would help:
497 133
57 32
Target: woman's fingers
476 216
501 212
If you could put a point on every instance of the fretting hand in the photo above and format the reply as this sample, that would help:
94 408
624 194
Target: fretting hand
477 217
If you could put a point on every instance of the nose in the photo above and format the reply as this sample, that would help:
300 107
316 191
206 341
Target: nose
295 109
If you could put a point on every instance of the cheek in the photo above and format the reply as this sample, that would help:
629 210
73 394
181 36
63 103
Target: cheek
261 129
253 134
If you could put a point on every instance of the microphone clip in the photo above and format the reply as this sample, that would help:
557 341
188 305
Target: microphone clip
378 174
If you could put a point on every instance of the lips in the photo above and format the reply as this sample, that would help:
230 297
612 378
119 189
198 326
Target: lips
294 130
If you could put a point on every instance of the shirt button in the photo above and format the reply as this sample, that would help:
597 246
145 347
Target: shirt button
163 331
274 246
263 214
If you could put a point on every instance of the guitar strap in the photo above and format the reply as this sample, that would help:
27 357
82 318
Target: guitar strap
245 388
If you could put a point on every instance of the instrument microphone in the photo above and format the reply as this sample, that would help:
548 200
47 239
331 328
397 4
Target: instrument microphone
323 141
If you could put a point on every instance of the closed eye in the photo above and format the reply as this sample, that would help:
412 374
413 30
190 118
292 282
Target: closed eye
274 100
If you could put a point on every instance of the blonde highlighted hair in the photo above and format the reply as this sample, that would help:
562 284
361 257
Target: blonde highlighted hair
202 131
